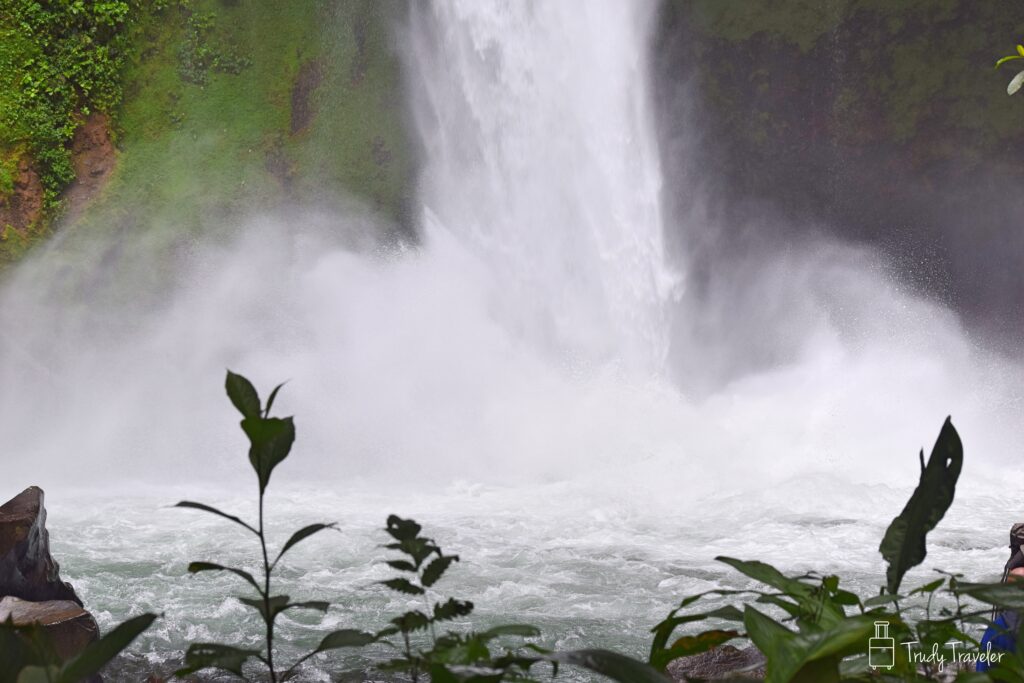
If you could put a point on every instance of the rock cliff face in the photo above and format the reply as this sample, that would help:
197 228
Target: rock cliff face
883 123
31 592
27 570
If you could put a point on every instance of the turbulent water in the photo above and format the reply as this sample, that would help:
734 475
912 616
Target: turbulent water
512 381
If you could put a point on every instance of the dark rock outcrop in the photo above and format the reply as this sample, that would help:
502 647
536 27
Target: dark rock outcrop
27 570
719 663
69 627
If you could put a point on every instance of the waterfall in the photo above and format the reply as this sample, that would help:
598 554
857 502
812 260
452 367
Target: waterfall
541 159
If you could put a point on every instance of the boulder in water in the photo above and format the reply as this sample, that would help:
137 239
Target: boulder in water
718 663
27 570
69 627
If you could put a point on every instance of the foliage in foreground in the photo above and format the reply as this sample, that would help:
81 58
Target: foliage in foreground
831 627
28 656
455 655
810 629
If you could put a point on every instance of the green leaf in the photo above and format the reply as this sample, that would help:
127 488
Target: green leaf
1015 84
215 656
402 565
410 621
270 441
1005 595
270 401
333 641
96 655
402 529
884 599
847 598
811 656
213 510
345 638
301 535
403 586
419 549
243 395
767 574
452 609
1010 58
663 631
613 665
904 546
196 567
691 645
522 630
436 569
930 587
277 604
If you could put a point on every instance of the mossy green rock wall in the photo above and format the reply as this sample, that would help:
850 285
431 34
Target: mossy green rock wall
234 106
882 121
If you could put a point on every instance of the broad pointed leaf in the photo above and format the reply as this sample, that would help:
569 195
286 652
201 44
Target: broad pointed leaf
436 569
215 656
810 656
1005 595
345 638
270 442
243 395
904 546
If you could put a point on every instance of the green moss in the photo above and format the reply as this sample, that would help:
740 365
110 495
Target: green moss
221 144
796 22
915 74
58 60
14 244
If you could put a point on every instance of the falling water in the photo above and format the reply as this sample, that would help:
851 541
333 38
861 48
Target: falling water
541 159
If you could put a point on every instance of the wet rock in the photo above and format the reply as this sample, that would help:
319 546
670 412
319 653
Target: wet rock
719 663
68 627
22 207
27 570
94 157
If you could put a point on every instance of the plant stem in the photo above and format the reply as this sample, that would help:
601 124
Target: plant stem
408 655
268 617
